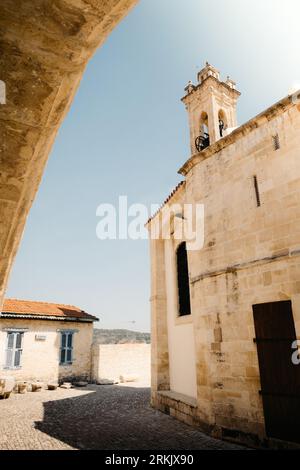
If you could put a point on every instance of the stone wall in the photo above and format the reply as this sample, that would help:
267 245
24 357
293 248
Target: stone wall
251 255
112 360
40 359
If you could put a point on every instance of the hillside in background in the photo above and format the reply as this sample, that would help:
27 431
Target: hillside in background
120 336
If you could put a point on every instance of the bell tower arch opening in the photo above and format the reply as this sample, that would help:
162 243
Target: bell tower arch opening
223 123
202 140
204 124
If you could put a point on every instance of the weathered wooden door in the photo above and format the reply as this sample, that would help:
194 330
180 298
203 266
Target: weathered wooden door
280 378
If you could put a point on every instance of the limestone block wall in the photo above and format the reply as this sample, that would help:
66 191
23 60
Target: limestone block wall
112 360
228 376
160 370
40 359
251 255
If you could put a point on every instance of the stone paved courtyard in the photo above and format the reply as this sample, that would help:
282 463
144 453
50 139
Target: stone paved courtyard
96 417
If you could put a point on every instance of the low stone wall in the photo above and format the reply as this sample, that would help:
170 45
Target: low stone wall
185 409
177 405
110 361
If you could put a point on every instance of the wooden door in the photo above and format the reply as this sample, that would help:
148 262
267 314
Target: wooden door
280 378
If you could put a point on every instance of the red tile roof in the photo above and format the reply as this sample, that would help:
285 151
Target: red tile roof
44 309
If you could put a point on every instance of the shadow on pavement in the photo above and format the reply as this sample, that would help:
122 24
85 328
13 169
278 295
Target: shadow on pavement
116 417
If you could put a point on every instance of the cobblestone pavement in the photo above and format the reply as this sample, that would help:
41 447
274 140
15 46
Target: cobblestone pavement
96 417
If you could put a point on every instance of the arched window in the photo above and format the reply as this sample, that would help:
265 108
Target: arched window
204 125
183 281
222 123
203 141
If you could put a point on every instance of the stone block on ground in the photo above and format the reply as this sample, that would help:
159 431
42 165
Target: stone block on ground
52 385
103 381
81 383
7 385
128 378
66 385
36 386
22 387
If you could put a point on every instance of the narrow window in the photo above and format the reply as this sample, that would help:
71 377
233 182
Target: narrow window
256 191
276 142
66 348
14 349
183 281
222 123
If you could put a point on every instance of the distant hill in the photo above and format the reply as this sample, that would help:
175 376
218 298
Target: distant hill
120 336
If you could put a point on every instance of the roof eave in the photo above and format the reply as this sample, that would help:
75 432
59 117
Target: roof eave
47 317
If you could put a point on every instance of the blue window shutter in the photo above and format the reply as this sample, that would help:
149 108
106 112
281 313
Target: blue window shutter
69 355
19 338
62 356
17 360
14 349
10 350
9 358
10 340
70 338
66 347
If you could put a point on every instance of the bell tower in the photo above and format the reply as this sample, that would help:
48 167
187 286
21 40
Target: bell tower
211 106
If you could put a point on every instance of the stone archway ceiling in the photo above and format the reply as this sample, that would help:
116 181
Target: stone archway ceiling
44 48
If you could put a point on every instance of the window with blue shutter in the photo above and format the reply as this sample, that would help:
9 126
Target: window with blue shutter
66 348
14 349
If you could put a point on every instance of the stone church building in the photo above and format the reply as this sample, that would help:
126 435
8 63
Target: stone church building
225 318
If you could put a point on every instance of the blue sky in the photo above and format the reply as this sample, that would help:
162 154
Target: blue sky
127 134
